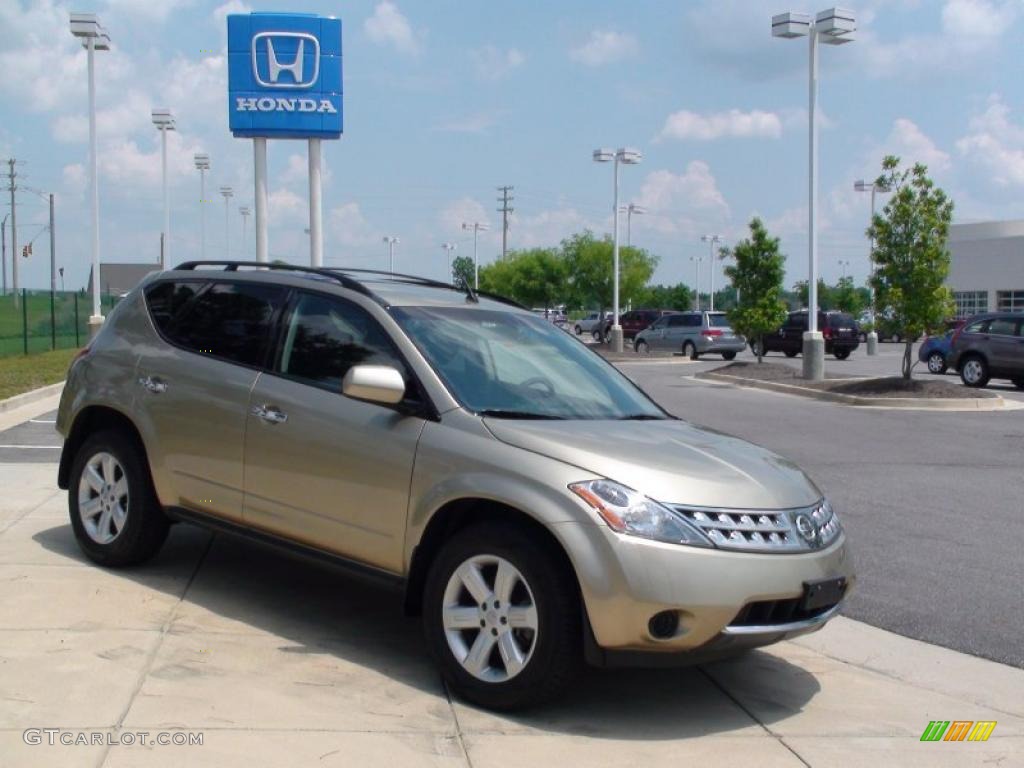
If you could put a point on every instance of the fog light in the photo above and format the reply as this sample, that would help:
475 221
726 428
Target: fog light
663 625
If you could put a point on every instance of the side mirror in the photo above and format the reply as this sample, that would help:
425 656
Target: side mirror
375 383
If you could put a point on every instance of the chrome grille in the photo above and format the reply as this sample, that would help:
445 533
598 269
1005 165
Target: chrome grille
766 531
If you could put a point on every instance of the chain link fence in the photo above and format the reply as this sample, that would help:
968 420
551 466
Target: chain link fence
38 321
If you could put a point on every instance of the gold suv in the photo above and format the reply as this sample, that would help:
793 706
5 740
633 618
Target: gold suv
536 507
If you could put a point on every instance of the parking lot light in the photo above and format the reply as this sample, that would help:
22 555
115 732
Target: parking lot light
449 247
867 186
390 243
833 26
711 240
228 193
696 281
629 210
202 161
625 156
477 228
164 122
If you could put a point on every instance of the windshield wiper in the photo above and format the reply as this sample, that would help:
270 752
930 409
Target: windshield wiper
641 417
500 413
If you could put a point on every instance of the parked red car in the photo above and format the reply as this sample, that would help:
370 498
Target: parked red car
634 321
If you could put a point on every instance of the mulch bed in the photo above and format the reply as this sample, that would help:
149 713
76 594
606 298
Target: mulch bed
890 386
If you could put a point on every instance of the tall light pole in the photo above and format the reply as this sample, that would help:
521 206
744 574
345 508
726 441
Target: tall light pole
626 156
629 210
711 240
244 211
844 263
834 26
872 187
696 281
202 161
477 228
164 122
228 193
94 38
449 247
390 243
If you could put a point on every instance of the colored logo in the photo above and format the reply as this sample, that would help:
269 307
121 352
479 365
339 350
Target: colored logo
284 76
958 730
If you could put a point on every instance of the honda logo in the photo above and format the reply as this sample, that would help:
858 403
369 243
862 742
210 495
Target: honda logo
278 70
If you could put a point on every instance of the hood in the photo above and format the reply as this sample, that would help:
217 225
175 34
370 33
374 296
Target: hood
669 461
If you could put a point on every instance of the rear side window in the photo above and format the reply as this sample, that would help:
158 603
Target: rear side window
718 321
978 327
227 320
692 321
166 300
676 321
1003 326
841 321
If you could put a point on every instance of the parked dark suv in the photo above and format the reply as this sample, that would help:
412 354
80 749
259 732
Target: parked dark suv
839 329
989 346
635 320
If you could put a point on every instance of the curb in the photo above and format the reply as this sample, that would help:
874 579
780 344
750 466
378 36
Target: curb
924 404
27 398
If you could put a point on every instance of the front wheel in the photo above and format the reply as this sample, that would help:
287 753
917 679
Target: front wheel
502 617
597 336
690 351
642 347
791 353
974 372
936 363
115 514
578 330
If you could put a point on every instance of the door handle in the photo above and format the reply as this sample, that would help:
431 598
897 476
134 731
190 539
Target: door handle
269 414
154 385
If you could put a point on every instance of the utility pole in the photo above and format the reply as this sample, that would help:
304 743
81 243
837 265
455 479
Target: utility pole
505 210
3 251
11 186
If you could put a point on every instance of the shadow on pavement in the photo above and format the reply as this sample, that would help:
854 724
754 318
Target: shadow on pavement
242 586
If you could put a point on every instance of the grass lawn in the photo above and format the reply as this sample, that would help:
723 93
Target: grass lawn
22 373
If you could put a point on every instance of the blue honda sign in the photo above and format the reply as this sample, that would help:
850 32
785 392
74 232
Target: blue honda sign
284 76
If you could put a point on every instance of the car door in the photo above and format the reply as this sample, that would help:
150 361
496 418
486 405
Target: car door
194 385
322 468
792 339
1004 348
655 334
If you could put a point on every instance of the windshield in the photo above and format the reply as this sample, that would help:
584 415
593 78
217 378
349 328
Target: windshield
509 365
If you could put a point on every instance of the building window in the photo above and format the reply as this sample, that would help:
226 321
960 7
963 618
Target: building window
1010 301
970 303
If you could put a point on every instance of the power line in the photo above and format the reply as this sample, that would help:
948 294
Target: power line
505 210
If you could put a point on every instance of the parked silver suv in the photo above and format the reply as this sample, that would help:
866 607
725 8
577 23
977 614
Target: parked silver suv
450 444
693 334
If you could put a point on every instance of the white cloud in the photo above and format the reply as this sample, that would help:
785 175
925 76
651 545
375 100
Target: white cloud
682 203
604 47
544 229
493 63
734 124
996 144
149 10
911 144
221 12
349 228
476 123
388 26
286 208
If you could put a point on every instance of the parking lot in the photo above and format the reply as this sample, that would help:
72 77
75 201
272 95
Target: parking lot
279 661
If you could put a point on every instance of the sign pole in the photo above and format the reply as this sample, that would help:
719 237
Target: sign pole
259 147
316 235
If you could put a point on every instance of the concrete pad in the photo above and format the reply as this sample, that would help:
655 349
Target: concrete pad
556 749
671 704
17 754
983 682
51 678
26 487
867 752
263 681
276 748
21 408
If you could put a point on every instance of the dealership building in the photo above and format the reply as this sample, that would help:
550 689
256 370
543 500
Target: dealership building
987 267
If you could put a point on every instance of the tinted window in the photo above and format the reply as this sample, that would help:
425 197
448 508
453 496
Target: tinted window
327 336
718 321
659 323
228 320
692 321
978 327
797 320
676 320
167 299
1003 326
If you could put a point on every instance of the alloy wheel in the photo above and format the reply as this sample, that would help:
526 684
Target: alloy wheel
103 498
490 618
973 371
936 362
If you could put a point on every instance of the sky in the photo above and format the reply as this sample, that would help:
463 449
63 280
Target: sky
445 101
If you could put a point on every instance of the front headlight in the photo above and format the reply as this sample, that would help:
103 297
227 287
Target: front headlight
627 511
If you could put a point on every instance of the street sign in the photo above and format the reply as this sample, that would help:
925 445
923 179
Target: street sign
284 76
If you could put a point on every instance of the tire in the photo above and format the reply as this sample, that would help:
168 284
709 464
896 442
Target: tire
896 338
937 363
728 355
130 498
790 353
974 371
552 650
579 331
841 354
754 345
690 351
597 335
641 347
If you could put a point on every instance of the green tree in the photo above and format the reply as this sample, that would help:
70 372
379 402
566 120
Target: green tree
678 297
846 297
536 277
588 262
757 277
911 258
463 272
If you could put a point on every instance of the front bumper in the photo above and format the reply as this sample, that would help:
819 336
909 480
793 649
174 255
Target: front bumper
626 580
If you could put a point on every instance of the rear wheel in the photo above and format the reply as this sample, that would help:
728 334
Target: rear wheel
974 371
690 351
502 617
579 330
896 338
791 353
597 335
728 355
936 363
114 511
841 354
641 347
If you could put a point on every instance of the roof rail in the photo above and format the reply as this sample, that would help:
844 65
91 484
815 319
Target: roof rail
232 266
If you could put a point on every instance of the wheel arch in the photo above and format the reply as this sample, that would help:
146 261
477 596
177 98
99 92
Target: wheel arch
88 421
460 514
